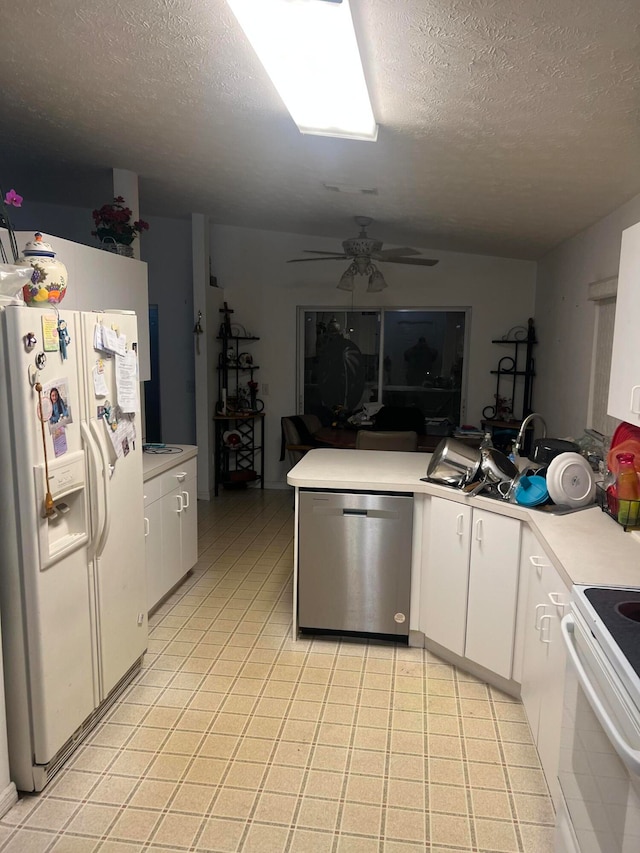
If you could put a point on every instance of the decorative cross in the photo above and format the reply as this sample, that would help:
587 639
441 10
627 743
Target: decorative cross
225 331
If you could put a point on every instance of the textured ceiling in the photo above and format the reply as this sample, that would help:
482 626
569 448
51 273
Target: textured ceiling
505 127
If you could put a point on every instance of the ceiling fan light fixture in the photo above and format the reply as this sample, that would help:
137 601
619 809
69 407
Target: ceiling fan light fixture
376 282
310 52
346 280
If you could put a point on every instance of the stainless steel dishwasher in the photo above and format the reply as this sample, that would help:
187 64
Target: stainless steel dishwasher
354 562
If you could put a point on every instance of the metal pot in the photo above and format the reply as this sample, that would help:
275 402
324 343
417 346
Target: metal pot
496 467
546 449
454 462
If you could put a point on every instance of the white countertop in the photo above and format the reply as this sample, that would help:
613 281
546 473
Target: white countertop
161 461
586 547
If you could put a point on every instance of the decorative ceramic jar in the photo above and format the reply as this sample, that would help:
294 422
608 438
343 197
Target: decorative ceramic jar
49 279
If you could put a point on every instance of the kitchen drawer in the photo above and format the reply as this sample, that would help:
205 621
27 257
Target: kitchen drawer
165 483
152 490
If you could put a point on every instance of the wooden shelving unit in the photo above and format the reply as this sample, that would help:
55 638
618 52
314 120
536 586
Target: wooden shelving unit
240 464
516 372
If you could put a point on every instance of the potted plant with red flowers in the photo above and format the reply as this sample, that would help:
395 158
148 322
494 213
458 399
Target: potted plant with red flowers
114 228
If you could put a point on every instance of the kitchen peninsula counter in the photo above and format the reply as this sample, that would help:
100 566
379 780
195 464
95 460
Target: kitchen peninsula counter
586 547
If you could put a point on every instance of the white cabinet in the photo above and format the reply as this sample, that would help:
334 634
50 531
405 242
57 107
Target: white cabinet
493 590
171 528
470 574
443 611
153 551
544 660
189 518
624 386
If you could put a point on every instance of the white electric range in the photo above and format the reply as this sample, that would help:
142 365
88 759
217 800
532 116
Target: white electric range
599 773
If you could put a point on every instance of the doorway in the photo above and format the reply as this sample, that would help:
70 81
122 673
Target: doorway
152 386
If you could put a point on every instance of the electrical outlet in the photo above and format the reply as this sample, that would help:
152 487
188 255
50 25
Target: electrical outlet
265 389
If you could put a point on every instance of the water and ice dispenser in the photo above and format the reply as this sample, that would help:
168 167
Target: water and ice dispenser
67 528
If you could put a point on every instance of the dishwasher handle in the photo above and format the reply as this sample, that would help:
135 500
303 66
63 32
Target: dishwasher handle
341 511
366 513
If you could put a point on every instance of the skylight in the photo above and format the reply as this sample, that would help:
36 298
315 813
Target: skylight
310 52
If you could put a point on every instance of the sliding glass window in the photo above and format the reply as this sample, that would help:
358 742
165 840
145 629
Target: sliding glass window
399 357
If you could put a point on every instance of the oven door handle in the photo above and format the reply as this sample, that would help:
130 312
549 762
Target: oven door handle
631 757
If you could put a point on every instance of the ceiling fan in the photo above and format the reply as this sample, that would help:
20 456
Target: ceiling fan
363 250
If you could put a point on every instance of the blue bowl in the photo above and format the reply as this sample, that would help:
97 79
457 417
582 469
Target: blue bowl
531 491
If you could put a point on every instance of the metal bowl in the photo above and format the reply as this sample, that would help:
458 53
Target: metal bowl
454 463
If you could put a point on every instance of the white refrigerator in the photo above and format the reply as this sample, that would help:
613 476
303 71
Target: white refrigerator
72 572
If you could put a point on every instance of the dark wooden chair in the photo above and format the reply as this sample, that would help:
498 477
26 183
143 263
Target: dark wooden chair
297 436
388 440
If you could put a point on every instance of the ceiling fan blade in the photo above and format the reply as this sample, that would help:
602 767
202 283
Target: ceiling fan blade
301 260
418 262
319 252
387 254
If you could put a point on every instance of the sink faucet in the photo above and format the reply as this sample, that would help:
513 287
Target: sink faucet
523 427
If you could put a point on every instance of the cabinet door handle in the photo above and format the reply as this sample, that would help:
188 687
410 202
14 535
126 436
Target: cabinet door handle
542 639
460 524
555 599
181 476
180 504
636 411
538 563
146 527
185 495
479 530
539 616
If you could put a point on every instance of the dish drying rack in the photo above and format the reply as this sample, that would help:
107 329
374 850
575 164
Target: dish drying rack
626 513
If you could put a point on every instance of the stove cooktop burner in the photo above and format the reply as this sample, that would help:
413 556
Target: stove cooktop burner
619 610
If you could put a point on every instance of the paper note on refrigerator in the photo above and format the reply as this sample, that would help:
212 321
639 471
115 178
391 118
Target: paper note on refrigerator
100 388
50 333
122 434
127 381
97 336
113 342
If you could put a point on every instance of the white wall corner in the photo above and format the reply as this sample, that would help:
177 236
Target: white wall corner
125 183
202 358
606 288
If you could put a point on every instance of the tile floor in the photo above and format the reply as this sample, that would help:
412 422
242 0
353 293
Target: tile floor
236 738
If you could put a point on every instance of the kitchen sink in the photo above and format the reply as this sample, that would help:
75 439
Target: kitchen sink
555 509
549 509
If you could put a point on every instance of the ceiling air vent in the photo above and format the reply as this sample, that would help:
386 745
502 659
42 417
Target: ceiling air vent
350 189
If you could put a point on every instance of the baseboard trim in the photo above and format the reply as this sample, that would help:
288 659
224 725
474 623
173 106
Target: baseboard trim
507 685
8 799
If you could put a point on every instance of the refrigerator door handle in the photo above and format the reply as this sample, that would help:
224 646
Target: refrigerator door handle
93 533
105 485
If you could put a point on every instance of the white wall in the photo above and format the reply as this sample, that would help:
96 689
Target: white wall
166 247
565 319
264 292
71 223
